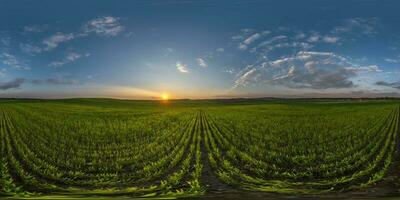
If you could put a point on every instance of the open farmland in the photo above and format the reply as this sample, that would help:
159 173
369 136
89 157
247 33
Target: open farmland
109 148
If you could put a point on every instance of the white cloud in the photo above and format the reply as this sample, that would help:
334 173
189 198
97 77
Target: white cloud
244 77
35 28
168 51
272 40
14 62
70 57
358 25
182 67
130 34
242 46
306 69
359 69
54 40
314 38
201 62
246 30
91 76
6 41
220 49
229 70
301 45
290 73
330 39
104 26
280 42
30 49
57 63
391 60
237 37
299 36
251 39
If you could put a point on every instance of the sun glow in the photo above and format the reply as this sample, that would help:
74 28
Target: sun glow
165 96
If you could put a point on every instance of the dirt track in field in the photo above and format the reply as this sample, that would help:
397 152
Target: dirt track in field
208 177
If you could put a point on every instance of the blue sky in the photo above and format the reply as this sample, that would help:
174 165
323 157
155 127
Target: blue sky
199 49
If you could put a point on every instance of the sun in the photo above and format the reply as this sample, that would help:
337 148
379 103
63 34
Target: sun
165 96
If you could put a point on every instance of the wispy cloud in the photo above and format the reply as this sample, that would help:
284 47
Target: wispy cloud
395 85
201 62
330 39
299 35
281 42
243 33
182 68
306 69
13 84
392 60
168 51
272 40
245 76
54 40
35 28
54 81
315 37
70 57
252 38
30 49
266 44
130 34
104 26
358 25
359 69
13 61
5 41
3 72
229 70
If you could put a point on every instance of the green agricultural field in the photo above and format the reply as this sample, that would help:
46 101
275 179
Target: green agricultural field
61 149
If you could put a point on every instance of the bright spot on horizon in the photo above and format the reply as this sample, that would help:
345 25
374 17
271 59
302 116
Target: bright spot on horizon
165 96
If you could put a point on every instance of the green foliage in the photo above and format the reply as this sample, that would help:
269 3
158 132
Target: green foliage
105 147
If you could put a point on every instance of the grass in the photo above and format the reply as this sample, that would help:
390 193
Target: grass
106 148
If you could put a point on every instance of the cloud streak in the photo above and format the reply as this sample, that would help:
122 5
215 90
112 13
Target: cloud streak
306 69
182 68
104 26
249 39
54 81
13 61
13 84
69 58
35 28
358 25
395 85
108 26
201 62
55 40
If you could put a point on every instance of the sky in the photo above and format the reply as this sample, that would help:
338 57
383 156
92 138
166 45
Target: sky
199 49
